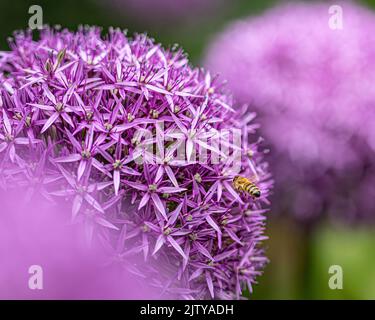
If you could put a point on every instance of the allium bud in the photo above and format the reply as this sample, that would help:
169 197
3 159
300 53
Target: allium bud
312 86
104 128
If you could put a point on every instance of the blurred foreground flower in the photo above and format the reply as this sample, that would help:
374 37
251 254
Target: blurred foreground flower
313 89
81 118
39 234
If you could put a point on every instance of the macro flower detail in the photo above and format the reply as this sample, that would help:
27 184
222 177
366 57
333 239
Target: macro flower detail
101 123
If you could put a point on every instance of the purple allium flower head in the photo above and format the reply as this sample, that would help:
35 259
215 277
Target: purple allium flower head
312 87
101 123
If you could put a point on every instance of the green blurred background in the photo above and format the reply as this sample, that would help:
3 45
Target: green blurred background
300 258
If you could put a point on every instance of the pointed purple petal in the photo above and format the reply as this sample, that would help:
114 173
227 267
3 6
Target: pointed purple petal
159 243
213 224
171 175
105 223
210 284
81 169
116 181
144 200
177 247
95 204
159 205
171 189
50 121
174 214
69 158
136 185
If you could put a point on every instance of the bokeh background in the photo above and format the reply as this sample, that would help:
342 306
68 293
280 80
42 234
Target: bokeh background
298 266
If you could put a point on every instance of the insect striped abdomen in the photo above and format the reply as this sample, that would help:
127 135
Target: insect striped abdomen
242 184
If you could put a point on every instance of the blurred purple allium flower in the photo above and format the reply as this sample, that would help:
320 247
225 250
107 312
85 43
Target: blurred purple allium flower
313 89
75 109
31 235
